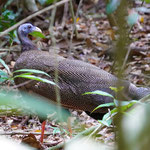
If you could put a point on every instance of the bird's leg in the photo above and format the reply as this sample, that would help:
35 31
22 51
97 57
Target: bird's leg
69 126
42 131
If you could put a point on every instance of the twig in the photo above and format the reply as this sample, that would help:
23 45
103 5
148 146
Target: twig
21 84
23 122
74 18
142 2
7 50
52 18
95 131
33 15
24 133
74 24
126 58
3 54
57 91
64 15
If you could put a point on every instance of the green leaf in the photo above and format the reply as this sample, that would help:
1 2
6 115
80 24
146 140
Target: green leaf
133 17
147 1
32 103
42 2
32 71
106 123
56 131
37 34
98 92
3 76
112 6
48 2
112 113
4 64
103 105
9 14
32 77
125 103
116 89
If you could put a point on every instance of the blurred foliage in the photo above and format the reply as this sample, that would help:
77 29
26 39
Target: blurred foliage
4 76
112 6
133 16
147 1
87 144
136 128
46 2
31 104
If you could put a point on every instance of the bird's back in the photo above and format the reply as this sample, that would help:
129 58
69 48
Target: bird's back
75 78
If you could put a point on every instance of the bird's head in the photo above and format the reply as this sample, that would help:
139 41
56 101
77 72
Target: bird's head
27 28
23 32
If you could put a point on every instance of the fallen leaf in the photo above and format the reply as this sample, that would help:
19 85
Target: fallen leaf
32 141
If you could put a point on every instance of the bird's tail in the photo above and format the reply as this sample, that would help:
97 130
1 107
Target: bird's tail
138 92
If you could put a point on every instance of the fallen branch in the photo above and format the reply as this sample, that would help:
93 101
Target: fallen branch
21 84
24 133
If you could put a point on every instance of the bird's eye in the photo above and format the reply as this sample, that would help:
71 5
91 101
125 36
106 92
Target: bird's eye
29 27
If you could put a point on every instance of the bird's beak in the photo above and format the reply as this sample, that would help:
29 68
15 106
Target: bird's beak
37 29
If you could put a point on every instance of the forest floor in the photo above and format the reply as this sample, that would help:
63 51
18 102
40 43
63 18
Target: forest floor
93 45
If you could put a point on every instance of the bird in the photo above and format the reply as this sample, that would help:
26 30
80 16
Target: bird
75 77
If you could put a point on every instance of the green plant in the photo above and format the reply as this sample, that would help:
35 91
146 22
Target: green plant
27 73
7 19
46 2
122 105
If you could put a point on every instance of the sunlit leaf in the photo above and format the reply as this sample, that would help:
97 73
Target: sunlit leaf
104 105
116 89
125 103
37 34
106 123
32 77
32 71
147 1
98 92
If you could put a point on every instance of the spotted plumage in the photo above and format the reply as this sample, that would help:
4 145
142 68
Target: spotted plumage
74 78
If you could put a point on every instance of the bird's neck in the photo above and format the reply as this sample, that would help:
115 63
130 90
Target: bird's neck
26 44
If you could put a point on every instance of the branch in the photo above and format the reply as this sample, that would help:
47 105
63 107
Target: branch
24 133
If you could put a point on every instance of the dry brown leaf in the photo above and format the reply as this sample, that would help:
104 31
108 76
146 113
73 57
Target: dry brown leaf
111 33
89 42
32 141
